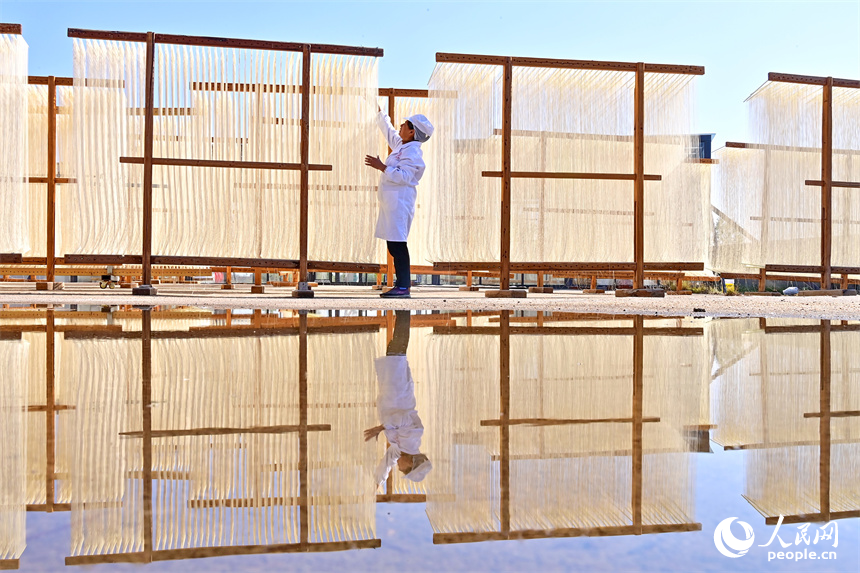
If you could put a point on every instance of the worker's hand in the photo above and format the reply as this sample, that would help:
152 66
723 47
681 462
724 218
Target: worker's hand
371 433
374 161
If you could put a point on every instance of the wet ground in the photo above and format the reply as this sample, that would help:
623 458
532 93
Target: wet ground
430 298
212 438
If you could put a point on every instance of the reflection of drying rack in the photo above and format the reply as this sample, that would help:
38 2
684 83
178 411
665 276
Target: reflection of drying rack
505 423
825 416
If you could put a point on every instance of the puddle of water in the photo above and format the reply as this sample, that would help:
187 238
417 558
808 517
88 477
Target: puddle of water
437 441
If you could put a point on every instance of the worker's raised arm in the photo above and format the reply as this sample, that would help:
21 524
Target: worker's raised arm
391 135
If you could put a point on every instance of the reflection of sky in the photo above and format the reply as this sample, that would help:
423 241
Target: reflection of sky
407 542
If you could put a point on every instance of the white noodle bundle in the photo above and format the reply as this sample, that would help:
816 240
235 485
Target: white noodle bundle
14 191
37 140
106 492
13 449
243 489
771 215
563 121
224 104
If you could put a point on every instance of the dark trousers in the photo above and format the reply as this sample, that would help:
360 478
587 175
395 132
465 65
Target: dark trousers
400 253
400 340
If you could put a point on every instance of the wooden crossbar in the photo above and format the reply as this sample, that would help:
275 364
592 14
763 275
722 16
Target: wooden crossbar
230 164
812 80
610 531
283 429
563 175
567 64
562 422
236 43
10 29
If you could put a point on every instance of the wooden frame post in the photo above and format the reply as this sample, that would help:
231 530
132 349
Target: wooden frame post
824 422
303 290
51 219
146 406
639 182
50 411
504 419
146 288
637 400
827 183
505 251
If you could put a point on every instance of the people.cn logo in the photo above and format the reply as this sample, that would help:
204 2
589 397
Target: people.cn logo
727 543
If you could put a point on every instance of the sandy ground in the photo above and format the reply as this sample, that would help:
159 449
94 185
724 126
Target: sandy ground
442 298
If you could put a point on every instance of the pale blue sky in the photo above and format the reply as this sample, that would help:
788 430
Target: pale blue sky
737 42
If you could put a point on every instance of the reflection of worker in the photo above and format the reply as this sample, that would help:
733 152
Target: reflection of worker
396 405
397 191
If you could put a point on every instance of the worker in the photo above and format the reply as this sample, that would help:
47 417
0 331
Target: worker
396 404
397 191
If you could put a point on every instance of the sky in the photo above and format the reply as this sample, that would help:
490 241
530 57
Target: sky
738 42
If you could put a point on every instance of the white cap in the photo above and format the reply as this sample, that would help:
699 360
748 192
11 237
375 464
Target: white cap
422 125
420 471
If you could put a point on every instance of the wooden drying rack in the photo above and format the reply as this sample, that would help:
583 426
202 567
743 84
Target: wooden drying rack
147 259
825 417
826 270
505 423
638 176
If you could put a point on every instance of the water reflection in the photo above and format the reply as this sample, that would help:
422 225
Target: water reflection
184 433
789 394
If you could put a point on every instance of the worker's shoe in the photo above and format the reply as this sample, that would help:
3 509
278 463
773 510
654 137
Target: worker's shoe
396 292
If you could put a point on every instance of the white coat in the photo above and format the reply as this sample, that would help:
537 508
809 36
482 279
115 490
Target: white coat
397 185
396 406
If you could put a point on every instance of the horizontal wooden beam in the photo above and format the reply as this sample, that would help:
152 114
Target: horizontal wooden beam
769 147
835 414
173 162
401 498
813 517
10 29
58 180
314 266
608 531
10 258
562 422
399 92
520 267
43 81
567 64
319 547
810 328
811 80
243 331
569 330
236 43
844 184
284 429
133 557
561 175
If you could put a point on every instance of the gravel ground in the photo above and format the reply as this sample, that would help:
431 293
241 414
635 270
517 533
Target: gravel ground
444 298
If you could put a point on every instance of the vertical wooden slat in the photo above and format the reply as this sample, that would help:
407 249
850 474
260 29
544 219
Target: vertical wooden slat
507 111
389 276
305 151
50 433
146 252
304 500
638 388
146 405
504 418
827 180
824 421
639 182
52 177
